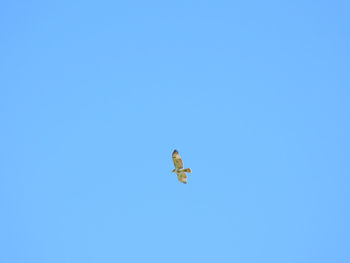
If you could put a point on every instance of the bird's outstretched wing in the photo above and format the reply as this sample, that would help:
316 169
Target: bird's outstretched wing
182 177
177 160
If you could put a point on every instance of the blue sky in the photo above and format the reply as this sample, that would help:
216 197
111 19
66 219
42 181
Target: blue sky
95 96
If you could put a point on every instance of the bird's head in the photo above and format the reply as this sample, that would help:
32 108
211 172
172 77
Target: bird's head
173 171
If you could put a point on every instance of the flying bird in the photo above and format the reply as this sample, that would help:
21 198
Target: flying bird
179 168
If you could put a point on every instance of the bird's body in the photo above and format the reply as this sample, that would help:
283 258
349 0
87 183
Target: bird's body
179 168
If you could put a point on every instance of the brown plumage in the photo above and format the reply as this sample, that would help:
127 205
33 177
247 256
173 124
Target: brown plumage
179 168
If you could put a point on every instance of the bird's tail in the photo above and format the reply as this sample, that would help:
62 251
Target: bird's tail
188 170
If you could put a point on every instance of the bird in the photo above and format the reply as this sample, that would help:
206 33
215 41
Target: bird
179 168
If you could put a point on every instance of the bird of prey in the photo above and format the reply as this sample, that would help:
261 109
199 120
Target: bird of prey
179 168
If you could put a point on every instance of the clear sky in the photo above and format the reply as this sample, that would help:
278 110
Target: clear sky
95 96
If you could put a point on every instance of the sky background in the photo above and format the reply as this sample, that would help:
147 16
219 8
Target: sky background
95 96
